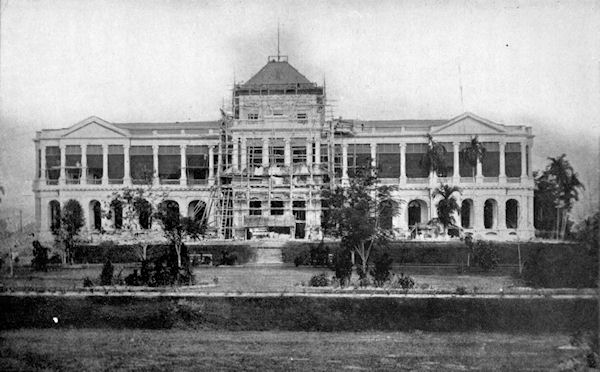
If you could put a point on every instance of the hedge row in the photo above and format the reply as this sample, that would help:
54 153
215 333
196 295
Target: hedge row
128 253
299 313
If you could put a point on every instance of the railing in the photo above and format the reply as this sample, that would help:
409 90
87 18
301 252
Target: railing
490 179
193 181
72 181
513 179
169 181
51 181
94 181
417 180
115 181
467 180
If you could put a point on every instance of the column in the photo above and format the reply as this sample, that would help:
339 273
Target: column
456 162
502 213
530 213
530 159
287 153
478 213
83 178
308 152
317 152
183 175
243 152
403 163
126 165
265 152
211 165
63 162
523 161
479 172
373 155
502 173
235 154
155 179
104 164
344 162
43 165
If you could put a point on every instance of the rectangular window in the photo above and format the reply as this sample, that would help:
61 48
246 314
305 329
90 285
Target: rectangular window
254 155
388 160
301 116
94 164
512 159
141 164
197 162
299 154
253 116
116 164
414 156
255 208
490 164
72 164
278 112
448 170
359 158
277 154
276 208
299 210
169 164
52 162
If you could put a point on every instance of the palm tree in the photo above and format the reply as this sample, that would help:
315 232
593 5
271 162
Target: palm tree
447 204
567 185
474 152
433 160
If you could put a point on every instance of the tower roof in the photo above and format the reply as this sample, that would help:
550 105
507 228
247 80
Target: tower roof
277 73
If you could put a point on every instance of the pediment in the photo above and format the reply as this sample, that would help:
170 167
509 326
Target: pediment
96 128
469 124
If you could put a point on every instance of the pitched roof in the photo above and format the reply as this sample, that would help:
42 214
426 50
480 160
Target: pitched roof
277 73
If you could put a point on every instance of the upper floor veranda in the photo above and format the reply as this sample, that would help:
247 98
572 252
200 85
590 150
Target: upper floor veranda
98 154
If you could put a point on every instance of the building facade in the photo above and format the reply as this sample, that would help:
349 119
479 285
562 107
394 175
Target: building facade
258 171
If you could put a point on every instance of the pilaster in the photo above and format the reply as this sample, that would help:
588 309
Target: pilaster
308 152
317 152
105 164
63 162
265 152
287 151
43 166
523 162
183 165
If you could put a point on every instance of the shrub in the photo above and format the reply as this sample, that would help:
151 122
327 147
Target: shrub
461 291
40 257
133 278
319 255
227 258
342 265
485 255
561 266
55 259
87 282
303 258
406 282
319 280
381 270
106 277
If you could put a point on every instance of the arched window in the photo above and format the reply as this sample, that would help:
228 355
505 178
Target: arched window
117 213
417 212
196 209
54 214
512 214
95 215
144 210
490 214
466 214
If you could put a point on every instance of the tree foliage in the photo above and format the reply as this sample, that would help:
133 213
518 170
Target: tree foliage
556 190
434 159
474 152
176 228
71 222
447 204
359 214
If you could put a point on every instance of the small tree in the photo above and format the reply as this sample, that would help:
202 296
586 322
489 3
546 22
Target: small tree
71 223
40 257
356 214
177 228
434 159
473 153
447 205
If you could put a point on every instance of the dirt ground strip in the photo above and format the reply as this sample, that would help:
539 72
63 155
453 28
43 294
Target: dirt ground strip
98 349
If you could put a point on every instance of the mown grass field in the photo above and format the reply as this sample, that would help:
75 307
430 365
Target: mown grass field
182 350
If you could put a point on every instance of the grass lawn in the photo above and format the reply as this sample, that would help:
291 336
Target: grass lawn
257 279
92 349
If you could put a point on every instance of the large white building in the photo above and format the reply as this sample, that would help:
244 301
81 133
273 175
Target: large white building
258 171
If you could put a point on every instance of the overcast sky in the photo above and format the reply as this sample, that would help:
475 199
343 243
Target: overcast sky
522 63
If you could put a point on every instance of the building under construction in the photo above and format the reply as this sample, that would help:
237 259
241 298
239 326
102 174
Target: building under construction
258 172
